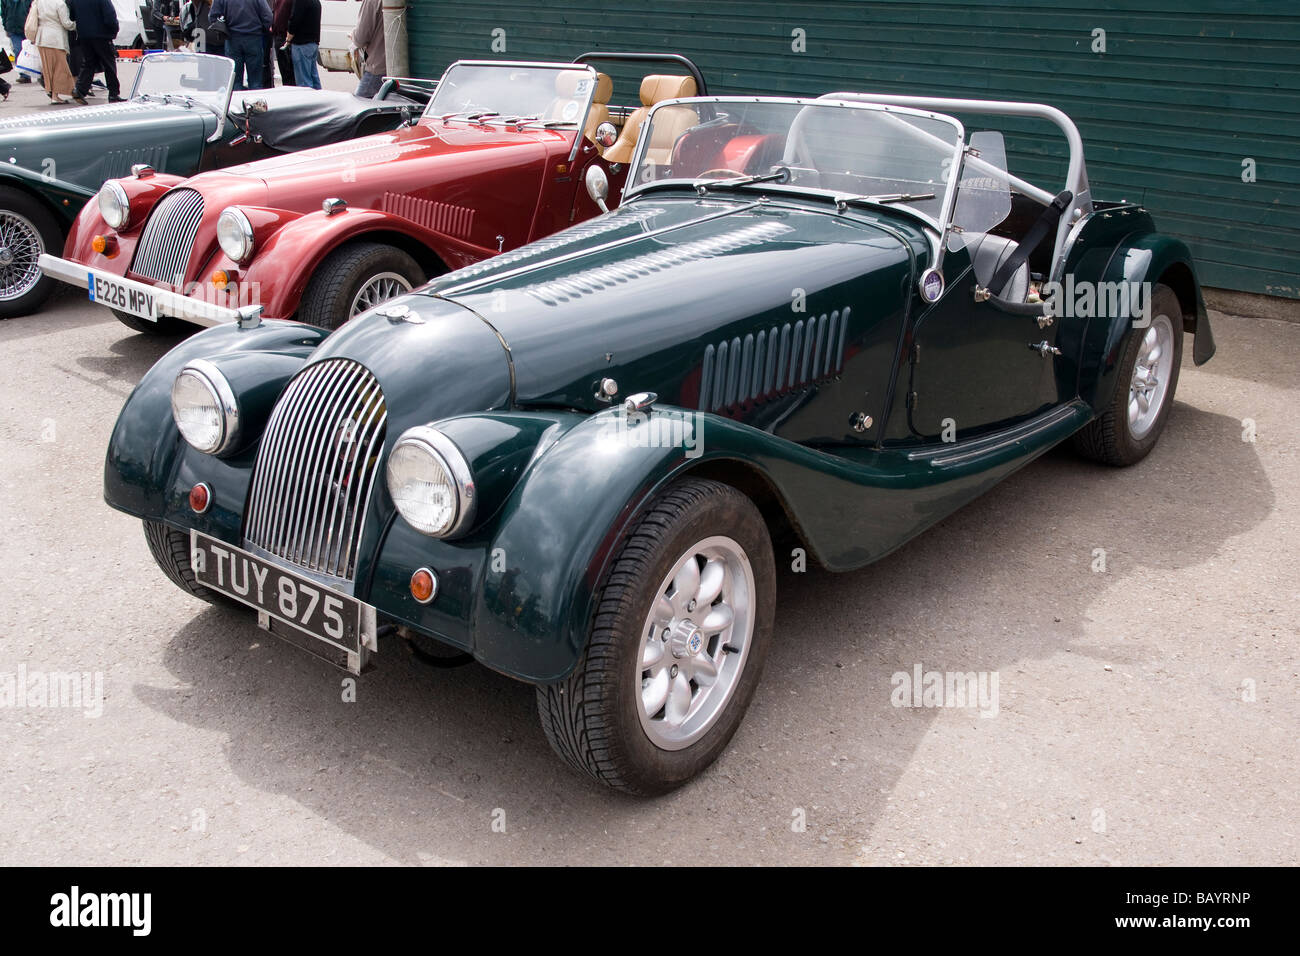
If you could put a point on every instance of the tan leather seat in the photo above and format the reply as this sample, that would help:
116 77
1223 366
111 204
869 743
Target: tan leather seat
656 89
569 96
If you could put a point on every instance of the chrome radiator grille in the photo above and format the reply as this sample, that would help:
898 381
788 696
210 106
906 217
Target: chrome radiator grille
316 468
168 237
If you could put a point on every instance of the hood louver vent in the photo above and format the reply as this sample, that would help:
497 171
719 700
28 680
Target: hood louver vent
773 362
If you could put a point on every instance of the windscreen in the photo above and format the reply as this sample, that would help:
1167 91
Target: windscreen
514 93
902 156
180 76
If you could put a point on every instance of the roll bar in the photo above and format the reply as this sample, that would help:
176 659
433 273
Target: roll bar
1076 177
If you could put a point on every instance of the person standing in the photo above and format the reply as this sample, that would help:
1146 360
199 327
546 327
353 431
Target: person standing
304 40
201 34
279 33
96 28
247 23
47 25
13 13
369 39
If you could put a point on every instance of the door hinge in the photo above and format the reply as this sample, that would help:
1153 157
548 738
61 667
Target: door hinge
916 353
911 400
1043 349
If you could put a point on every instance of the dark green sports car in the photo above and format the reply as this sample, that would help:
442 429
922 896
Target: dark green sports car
180 119
813 327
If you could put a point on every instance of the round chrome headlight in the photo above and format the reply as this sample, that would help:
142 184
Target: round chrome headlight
204 408
114 207
235 234
431 483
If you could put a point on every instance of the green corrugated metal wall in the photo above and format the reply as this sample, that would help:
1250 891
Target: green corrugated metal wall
1169 112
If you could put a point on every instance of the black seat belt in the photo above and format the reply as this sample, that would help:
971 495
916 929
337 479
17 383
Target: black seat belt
1040 230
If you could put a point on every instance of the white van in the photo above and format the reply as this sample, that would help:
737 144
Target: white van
337 20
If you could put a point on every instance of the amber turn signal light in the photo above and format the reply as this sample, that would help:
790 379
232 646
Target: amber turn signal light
104 245
220 279
424 585
200 498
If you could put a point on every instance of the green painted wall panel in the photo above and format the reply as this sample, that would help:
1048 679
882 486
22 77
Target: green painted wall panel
1182 94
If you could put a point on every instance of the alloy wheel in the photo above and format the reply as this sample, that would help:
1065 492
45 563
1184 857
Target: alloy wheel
694 642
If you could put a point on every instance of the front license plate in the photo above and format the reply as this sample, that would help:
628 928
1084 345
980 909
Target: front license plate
115 294
336 619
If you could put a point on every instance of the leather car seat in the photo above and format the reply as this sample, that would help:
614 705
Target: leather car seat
568 100
987 253
656 89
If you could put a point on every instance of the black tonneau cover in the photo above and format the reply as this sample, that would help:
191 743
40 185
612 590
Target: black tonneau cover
298 118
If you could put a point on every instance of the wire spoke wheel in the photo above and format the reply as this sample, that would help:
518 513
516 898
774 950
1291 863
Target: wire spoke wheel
21 247
377 289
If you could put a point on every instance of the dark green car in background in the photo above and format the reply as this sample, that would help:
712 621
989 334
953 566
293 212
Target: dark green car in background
179 120
813 326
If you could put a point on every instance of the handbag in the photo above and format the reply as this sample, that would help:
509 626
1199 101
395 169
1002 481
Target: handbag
6 64
31 25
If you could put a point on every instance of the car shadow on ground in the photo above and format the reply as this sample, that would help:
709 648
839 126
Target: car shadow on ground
420 763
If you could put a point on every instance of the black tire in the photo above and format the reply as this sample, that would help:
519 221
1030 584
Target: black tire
327 302
45 231
592 719
164 326
171 550
1108 438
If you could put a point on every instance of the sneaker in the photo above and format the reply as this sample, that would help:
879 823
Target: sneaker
80 100
24 78
117 99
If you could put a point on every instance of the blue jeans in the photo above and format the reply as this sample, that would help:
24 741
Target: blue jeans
304 64
246 50
369 85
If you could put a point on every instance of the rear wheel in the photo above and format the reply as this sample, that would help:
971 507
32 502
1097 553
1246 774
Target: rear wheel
27 230
677 645
1130 425
354 278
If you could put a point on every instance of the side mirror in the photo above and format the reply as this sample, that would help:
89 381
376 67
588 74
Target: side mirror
606 135
597 186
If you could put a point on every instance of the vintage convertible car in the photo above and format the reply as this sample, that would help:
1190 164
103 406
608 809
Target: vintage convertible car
496 160
179 119
813 323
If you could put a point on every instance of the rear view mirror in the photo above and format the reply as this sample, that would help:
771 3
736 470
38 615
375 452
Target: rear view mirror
606 135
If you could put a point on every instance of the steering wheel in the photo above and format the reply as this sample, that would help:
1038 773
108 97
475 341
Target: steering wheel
720 173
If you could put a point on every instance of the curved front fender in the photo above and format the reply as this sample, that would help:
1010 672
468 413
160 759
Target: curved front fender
146 452
64 199
281 269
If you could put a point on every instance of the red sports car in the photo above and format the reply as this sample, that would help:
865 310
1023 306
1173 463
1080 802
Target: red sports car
497 160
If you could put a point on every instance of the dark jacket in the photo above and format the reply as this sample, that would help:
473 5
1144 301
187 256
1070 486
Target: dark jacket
304 21
243 17
14 15
96 19
280 16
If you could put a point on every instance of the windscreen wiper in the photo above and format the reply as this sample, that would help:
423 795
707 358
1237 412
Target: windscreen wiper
885 199
780 175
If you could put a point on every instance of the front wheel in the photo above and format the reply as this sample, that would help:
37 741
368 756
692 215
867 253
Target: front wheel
677 645
1129 426
354 278
171 550
27 230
